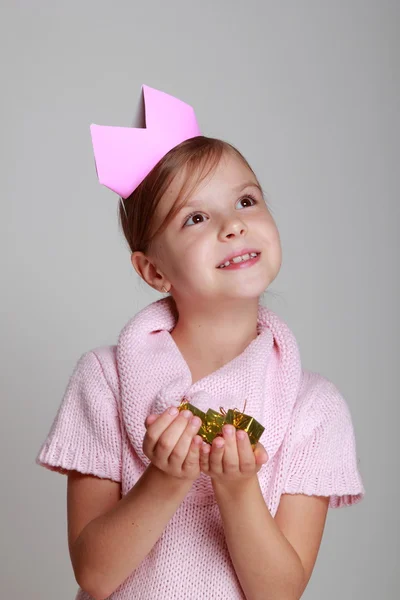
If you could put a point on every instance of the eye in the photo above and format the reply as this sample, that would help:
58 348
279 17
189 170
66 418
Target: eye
249 196
192 214
196 213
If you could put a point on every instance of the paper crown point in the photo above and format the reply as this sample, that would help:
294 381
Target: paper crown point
124 156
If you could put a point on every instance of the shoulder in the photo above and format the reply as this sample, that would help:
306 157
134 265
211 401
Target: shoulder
319 402
86 432
321 444
107 357
97 368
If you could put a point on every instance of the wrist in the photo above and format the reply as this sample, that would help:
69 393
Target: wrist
235 488
169 481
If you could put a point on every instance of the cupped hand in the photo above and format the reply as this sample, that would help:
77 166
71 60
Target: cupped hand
231 458
172 445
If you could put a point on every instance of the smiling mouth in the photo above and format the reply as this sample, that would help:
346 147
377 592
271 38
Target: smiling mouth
238 260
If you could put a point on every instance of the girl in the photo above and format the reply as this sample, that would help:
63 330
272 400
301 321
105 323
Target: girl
153 511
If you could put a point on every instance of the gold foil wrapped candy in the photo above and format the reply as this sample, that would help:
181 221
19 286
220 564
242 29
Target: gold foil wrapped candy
212 422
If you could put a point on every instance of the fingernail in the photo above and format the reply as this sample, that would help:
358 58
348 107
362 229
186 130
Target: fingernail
187 414
195 422
173 410
229 430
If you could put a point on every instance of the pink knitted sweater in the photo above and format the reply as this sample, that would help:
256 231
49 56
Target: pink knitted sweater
99 429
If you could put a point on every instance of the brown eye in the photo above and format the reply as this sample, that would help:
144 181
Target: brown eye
194 214
249 197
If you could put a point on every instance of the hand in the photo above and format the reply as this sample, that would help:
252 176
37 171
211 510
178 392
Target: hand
231 457
172 445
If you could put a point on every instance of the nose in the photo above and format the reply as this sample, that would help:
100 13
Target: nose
234 228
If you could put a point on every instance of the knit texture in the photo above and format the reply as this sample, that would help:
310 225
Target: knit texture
99 429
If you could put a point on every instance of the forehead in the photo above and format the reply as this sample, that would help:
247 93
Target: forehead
229 174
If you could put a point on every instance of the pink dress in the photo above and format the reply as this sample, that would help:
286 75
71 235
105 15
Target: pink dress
99 429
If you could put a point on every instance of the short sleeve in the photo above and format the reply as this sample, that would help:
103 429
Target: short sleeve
324 462
85 435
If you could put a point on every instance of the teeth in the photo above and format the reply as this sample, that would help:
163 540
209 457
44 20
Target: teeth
238 259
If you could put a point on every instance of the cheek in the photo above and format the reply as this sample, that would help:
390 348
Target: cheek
271 241
199 252
186 264
197 263
275 238
268 231
276 249
275 242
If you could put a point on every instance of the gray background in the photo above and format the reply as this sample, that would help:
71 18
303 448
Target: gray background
309 92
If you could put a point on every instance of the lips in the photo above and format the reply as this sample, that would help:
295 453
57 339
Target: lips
237 253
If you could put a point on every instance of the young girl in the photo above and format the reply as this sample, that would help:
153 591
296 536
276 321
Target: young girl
154 512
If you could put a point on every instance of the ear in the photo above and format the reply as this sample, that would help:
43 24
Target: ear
147 271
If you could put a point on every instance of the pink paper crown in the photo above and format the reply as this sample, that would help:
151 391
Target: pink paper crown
125 155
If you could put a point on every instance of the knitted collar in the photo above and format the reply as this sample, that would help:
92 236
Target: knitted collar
154 375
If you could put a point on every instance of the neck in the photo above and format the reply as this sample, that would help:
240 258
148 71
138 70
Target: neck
209 338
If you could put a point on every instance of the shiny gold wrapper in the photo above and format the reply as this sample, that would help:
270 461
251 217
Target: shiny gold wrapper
213 421
247 423
185 405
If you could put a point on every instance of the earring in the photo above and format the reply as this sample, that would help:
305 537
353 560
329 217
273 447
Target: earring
164 290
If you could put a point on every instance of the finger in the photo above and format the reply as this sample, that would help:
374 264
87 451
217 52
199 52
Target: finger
230 459
192 460
179 452
155 429
246 454
205 457
169 438
150 420
260 454
216 454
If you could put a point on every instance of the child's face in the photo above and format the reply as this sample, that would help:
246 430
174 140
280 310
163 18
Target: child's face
226 220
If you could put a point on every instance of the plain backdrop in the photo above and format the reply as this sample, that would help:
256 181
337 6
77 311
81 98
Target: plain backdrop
309 92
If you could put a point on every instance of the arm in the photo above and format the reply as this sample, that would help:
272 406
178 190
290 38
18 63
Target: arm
113 544
265 562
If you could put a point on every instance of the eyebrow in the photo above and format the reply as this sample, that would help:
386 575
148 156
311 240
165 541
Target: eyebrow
236 189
